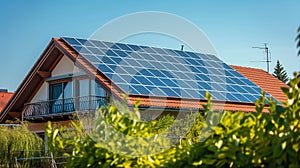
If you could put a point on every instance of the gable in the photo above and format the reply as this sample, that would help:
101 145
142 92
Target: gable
65 66
33 81
33 86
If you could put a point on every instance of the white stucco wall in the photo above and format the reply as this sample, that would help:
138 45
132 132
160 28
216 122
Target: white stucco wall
65 66
42 94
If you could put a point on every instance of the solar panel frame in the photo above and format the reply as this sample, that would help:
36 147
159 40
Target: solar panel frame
156 71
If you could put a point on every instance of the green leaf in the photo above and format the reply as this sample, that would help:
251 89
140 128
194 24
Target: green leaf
91 161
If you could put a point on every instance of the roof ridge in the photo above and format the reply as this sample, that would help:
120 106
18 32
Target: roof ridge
143 45
247 67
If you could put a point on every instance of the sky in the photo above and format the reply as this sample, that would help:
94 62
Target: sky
233 27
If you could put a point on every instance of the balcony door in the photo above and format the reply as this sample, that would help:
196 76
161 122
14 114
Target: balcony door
61 97
81 94
98 94
89 95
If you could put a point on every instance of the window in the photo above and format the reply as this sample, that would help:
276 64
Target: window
83 89
98 95
61 97
81 94
96 90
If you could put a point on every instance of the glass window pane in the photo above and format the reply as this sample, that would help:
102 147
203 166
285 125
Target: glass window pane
68 104
68 90
56 91
97 90
83 88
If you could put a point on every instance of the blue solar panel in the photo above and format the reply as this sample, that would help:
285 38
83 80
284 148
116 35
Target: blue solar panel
155 71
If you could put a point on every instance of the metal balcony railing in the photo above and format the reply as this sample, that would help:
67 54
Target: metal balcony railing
60 106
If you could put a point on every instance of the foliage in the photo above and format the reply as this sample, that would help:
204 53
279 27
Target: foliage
239 140
119 138
18 142
253 139
280 73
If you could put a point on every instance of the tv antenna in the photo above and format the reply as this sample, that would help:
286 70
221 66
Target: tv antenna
268 55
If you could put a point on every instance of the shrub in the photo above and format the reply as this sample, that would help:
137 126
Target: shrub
239 140
18 142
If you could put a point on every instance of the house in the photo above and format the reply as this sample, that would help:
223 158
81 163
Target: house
263 79
4 98
79 75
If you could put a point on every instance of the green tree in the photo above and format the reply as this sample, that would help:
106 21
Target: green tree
19 142
280 72
239 140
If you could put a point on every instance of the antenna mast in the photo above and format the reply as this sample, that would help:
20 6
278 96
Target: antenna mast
267 51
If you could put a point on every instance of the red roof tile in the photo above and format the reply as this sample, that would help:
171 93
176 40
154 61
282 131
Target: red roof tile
4 99
264 80
192 104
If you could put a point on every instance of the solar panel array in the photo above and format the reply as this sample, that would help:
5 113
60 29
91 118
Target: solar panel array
152 71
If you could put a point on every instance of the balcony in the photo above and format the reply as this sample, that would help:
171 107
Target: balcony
62 107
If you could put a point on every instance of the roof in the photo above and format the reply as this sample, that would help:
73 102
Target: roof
156 101
160 72
263 79
4 99
57 48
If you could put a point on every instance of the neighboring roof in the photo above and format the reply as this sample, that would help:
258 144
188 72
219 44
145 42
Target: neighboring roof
263 79
4 99
57 48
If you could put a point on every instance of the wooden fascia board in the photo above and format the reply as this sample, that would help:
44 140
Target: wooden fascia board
44 74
